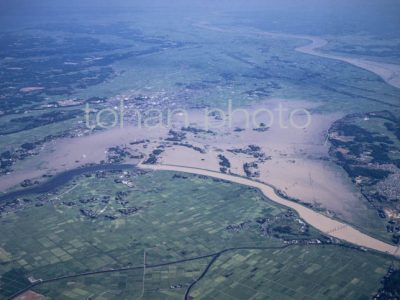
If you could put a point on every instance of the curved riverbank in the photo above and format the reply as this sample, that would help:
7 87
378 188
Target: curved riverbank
323 223
61 179
390 73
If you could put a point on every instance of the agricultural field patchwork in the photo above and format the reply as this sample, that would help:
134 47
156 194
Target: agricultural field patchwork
121 219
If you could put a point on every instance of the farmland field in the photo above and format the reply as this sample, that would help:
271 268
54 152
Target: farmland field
93 223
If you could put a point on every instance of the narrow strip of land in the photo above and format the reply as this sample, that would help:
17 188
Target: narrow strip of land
323 223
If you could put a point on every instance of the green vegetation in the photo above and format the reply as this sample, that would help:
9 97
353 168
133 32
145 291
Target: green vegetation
95 223
390 285
367 146
109 220
167 282
324 272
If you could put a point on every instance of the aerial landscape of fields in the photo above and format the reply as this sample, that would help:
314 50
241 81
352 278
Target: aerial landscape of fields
199 149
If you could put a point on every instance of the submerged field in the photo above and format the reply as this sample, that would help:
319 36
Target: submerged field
113 220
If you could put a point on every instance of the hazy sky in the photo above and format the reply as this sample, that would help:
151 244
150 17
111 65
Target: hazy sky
375 17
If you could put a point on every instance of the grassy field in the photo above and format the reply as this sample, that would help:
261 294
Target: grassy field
169 217
176 219
167 282
294 273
